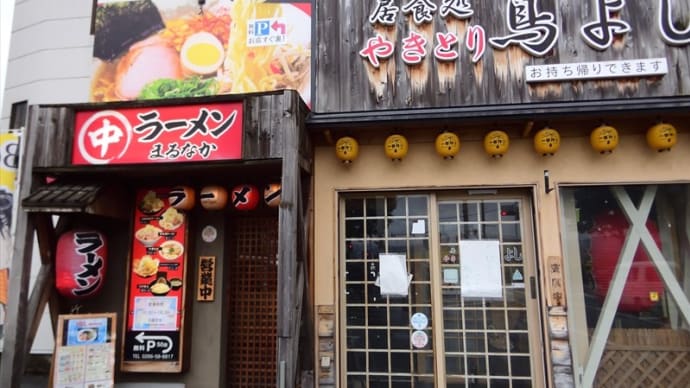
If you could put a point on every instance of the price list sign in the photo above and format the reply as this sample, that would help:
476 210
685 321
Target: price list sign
154 324
84 351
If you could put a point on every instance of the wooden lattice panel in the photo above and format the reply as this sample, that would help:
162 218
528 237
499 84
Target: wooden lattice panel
645 358
252 303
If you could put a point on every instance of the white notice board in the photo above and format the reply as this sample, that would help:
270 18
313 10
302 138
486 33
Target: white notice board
480 269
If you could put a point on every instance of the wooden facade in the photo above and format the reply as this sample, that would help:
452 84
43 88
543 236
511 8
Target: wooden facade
346 82
275 143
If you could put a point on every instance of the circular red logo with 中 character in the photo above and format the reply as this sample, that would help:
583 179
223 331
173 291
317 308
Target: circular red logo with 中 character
104 137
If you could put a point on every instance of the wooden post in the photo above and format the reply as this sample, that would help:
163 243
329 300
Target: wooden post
15 344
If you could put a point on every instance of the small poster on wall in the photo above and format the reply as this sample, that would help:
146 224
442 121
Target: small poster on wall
84 351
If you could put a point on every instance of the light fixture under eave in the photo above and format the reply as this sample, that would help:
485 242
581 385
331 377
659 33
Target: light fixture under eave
396 147
547 141
346 149
662 137
447 145
604 139
496 143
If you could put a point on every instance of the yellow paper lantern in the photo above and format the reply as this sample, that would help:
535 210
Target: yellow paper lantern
661 137
496 143
346 149
396 147
547 141
604 139
447 145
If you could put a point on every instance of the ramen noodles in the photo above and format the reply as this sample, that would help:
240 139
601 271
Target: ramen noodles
146 266
171 219
171 250
151 203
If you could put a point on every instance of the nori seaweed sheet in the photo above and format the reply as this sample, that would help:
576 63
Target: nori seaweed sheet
119 25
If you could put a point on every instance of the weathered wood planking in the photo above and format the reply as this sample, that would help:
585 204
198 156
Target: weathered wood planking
54 131
346 82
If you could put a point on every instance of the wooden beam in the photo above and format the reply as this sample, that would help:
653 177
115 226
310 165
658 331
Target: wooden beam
288 219
15 348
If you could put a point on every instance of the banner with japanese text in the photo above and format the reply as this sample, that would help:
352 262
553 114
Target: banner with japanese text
184 133
9 163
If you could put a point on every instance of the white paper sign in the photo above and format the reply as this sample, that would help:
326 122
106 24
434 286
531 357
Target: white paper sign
480 269
419 227
393 277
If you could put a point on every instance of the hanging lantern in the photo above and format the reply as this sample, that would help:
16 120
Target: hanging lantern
181 198
346 149
661 137
213 197
547 141
643 287
496 143
396 147
447 145
604 139
272 193
80 263
245 197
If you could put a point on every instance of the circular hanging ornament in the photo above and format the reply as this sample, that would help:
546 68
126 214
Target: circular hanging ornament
547 141
182 197
447 145
496 143
396 147
213 197
272 193
245 197
346 149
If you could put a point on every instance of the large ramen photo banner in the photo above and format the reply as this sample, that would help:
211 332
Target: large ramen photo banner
152 49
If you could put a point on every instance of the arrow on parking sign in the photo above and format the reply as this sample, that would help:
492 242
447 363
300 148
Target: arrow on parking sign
150 341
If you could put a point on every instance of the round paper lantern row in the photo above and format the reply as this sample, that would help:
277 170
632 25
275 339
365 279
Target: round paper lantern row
80 263
547 141
243 197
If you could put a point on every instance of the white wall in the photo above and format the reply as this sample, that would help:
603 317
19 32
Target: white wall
50 54
49 62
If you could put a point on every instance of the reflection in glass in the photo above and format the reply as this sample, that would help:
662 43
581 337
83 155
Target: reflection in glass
354 229
489 211
447 212
418 206
376 207
354 208
378 361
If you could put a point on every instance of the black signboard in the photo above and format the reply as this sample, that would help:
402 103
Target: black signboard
152 346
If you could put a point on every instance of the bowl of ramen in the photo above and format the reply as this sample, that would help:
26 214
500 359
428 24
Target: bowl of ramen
171 219
145 266
160 287
175 283
148 235
171 250
86 335
151 204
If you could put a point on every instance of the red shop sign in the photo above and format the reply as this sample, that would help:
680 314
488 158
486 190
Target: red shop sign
183 133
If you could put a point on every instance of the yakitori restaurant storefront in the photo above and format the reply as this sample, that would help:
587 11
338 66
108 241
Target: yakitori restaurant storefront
501 193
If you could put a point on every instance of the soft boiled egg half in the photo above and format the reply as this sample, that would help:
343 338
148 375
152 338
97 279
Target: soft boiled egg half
202 53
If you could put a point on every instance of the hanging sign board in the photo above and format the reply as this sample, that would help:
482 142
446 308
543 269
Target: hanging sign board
155 311
84 351
164 134
206 283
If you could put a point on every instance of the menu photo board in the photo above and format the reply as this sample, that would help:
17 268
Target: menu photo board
155 308
84 351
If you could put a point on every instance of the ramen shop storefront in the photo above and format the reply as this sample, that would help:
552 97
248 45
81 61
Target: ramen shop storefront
195 205
502 192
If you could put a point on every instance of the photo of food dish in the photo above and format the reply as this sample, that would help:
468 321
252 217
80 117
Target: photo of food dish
145 266
175 283
182 52
171 250
171 219
151 204
160 287
87 335
148 235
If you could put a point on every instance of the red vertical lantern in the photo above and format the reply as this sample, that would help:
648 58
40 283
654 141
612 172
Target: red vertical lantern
245 197
643 287
80 263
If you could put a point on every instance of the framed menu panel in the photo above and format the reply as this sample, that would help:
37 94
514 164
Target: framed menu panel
84 351
155 308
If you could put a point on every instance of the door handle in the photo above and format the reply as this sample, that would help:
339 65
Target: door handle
533 287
